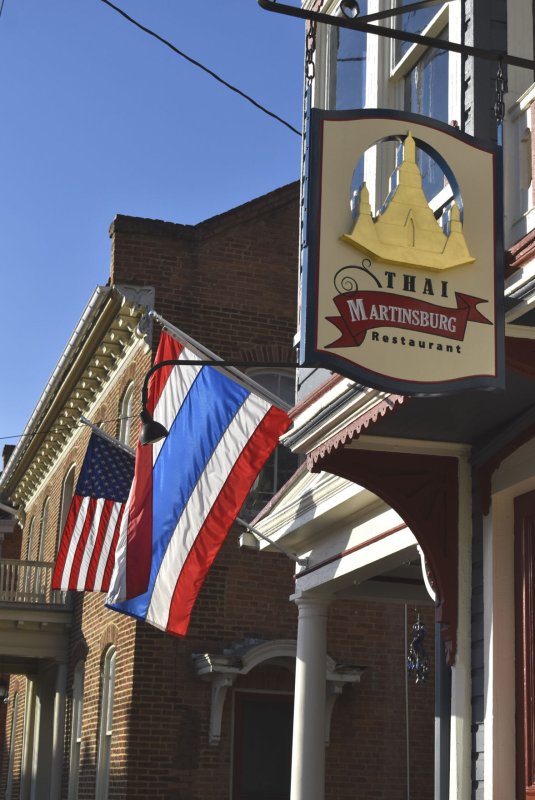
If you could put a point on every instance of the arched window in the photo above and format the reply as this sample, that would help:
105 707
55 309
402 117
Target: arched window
76 729
31 530
282 463
40 580
67 493
106 724
125 424
42 530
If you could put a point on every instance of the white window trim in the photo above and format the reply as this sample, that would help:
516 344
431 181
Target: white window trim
106 725
42 529
415 52
125 425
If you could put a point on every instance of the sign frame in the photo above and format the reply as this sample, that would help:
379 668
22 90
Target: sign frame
310 350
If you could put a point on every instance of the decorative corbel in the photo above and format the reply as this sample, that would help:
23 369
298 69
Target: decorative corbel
220 685
334 690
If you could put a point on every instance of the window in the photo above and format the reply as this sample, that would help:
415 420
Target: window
423 20
282 463
42 530
370 71
426 85
40 575
30 539
262 746
76 731
106 724
422 76
125 423
67 493
348 86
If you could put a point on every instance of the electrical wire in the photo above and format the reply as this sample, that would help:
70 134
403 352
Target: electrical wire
202 66
2 7
54 428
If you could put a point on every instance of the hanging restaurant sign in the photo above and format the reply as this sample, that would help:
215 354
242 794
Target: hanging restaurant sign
402 272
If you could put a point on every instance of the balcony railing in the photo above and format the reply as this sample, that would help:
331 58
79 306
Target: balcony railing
28 582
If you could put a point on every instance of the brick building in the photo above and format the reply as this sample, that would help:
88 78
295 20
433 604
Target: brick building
101 706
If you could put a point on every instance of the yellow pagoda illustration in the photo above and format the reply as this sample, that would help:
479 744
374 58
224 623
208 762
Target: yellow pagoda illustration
406 232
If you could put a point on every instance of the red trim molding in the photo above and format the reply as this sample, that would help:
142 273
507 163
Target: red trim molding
520 355
355 428
350 550
424 491
520 253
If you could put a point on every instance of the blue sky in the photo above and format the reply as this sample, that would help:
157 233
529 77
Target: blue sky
97 118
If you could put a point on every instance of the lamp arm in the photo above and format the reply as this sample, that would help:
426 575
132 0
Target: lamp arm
210 362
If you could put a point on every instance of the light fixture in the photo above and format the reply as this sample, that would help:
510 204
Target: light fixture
151 430
350 9
4 688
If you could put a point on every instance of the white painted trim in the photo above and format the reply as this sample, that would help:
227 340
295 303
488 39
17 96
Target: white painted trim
416 51
461 737
27 738
513 478
58 730
519 331
415 446
499 645
524 101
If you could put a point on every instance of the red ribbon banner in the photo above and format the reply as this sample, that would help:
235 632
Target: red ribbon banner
362 311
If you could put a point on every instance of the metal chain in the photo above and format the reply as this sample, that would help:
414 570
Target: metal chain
310 67
499 105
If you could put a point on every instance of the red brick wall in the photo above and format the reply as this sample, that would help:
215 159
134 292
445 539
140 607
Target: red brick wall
12 543
230 282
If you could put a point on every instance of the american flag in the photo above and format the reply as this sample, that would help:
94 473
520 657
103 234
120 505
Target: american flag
87 548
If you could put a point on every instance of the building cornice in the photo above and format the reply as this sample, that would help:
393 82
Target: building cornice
99 342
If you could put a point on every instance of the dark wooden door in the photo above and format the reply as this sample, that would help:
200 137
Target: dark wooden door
525 644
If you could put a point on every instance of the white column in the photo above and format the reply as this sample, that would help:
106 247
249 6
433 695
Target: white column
60 693
308 747
27 739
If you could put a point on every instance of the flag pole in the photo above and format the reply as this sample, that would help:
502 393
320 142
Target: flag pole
241 377
106 436
303 562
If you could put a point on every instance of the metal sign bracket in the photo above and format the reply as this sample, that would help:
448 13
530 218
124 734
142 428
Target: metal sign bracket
363 24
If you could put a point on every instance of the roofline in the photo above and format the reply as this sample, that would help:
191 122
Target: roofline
97 300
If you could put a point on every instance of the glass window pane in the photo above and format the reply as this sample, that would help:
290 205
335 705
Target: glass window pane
282 463
426 86
415 22
350 81
426 92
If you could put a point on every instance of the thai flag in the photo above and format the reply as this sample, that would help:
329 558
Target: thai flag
87 548
189 488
